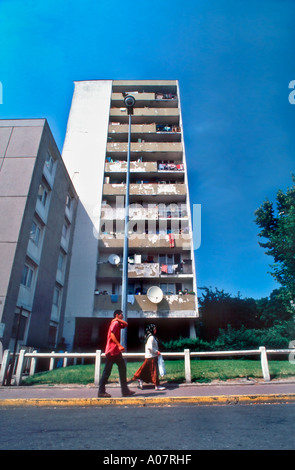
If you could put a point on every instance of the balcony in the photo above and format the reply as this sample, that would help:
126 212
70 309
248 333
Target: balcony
120 166
135 167
145 270
145 189
152 212
161 271
157 242
139 306
151 99
165 150
146 115
117 128
145 85
150 132
135 213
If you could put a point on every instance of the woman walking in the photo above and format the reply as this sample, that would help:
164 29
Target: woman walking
149 371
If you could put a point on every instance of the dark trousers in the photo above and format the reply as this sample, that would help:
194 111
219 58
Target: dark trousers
110 361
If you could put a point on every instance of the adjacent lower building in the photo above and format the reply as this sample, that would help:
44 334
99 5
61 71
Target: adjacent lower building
37 211
161 269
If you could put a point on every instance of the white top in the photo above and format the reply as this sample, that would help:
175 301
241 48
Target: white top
151 347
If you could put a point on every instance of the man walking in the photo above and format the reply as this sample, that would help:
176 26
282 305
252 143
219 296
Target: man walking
113 354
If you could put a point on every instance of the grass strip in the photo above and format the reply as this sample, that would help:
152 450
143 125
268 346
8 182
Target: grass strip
201 371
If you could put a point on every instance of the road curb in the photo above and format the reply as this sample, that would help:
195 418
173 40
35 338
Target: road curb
149 401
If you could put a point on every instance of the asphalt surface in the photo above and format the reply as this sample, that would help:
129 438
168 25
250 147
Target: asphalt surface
218 393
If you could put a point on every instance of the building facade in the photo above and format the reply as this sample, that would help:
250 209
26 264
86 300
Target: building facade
37 209
161 268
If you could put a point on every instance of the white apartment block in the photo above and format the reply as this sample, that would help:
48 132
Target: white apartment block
161 269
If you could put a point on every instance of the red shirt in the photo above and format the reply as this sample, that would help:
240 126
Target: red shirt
111 347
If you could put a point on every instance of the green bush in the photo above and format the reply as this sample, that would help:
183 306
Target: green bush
276 337
194 344
233 340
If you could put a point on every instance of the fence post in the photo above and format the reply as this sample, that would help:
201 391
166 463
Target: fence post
264 364
51 362
4 366
187 366
97 366
20 366
33 364
65 361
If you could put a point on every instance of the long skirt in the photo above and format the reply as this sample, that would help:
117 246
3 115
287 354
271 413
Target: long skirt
148 372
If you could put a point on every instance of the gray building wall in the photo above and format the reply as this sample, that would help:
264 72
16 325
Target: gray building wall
24 147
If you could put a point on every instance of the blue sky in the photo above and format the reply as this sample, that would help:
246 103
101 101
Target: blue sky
234 60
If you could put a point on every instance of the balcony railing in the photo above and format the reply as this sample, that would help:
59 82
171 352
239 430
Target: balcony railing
135 167
140 305
142 167
147 115
117 128
145 189
141 147
144 270
138 212
148 241
150 132
167 128
156 99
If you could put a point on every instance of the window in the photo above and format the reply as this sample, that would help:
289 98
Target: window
19 325
60 262
35 233
65 230
49 163
27 276
56 296
168 289
42 194
68 202
166 259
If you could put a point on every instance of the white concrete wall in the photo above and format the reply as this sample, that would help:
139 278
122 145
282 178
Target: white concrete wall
188 203
84 156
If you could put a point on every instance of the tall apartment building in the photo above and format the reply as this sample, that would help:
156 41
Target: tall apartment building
37 211
161 270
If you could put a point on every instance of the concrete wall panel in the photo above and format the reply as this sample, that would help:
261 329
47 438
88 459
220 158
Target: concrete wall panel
24 142
15 176
11 215
5 133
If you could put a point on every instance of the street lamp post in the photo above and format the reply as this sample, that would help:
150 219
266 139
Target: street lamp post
11 367
129 102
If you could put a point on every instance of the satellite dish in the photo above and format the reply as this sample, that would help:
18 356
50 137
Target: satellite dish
155 294
114 260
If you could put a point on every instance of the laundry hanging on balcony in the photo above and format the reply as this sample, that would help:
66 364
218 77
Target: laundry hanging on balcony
130 298
171 240
164 268
171 268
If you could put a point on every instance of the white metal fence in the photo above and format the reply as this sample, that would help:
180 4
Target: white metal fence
26 362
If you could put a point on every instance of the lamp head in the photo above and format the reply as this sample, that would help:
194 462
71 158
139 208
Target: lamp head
129 103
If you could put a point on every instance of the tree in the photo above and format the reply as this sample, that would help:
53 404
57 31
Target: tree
278 228
219 309
275 309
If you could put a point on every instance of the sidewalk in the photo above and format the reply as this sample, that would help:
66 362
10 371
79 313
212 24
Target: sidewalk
220 393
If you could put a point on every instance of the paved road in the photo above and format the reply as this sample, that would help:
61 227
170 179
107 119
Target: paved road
181 428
